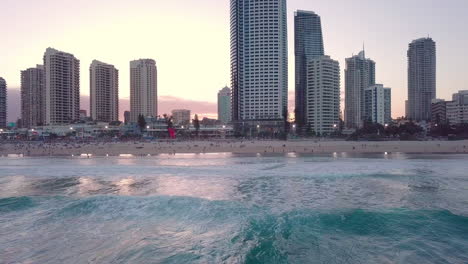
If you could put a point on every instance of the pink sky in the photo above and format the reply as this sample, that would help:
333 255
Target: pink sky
190 41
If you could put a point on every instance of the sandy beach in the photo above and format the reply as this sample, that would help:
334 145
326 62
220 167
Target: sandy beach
154 148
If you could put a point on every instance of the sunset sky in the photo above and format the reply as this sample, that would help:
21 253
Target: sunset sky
189 39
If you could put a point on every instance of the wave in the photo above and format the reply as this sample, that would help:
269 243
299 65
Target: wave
12 204
163 229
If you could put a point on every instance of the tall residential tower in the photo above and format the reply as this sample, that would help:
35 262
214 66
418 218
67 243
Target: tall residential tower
308 44
421 78
33 99
378 104
3 103
259 63
104 92
62 87
323 96
143 89
225 105
359 75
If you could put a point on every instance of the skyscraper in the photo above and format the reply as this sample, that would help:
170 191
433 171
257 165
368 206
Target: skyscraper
62 92
308 44
3 103
421 78
143 89
378 104
259 62
225 105
359 75
104 92
33 99
323 95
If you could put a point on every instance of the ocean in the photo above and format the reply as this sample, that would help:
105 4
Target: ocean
228 208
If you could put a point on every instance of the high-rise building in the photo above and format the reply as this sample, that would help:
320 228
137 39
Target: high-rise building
181 116
33 99
359 75
3 103
62 87
104 92
457 109
143 89
259 62
421 78
308 44
439 111
378 104
225 105
388 105
323 95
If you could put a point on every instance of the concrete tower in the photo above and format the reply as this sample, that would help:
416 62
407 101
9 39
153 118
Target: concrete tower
259 63
104 92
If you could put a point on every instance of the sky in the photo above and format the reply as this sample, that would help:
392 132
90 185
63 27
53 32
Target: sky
189 39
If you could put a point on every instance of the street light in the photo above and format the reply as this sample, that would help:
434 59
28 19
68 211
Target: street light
147 127
183 127
107 127
224 127
386 125
71 128
335 125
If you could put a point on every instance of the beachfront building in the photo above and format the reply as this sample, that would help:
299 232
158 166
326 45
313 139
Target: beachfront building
457 109
104 92
62 87
127 117
322 96
259 65
3 103
33 99
143 89
421 78
359 75
378 104
308 44
181 116
225 105
439 111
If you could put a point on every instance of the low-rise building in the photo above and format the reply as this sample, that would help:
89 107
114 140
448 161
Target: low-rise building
181 116
457 109
439 111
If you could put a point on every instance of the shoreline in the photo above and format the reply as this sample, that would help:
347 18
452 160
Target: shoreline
237 147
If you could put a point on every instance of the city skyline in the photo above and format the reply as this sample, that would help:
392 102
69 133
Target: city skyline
207 28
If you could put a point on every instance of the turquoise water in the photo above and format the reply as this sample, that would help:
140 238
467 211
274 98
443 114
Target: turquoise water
225 208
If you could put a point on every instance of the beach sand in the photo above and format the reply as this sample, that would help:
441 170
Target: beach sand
154 148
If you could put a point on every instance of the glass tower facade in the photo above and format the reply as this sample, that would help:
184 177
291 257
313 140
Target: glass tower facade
308 44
